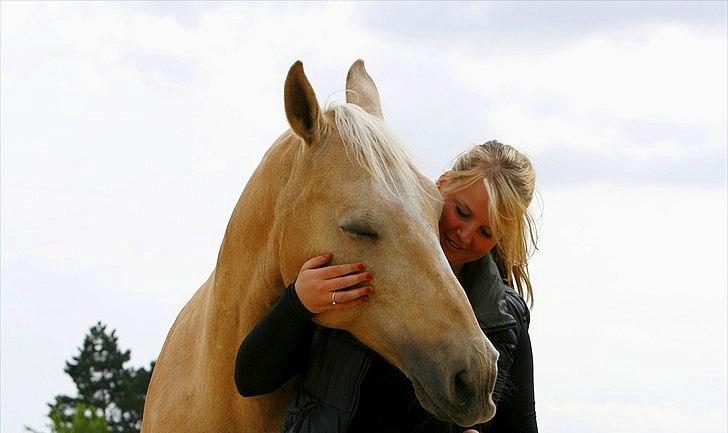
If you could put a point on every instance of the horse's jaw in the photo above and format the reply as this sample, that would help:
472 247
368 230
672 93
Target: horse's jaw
453 372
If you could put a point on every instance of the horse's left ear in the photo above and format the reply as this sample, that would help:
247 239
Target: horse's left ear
361 90
302 108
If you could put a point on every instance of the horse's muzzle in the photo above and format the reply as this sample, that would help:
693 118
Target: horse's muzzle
457 386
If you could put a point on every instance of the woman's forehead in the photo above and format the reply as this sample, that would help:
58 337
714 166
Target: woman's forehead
475 197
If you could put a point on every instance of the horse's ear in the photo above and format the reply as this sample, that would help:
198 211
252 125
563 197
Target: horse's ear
361 90
302 109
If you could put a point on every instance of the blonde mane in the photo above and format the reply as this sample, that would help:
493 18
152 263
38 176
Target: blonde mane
370 143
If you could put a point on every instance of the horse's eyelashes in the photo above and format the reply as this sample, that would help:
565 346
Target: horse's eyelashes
356 231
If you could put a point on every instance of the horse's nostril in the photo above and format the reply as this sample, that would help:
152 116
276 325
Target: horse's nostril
463 386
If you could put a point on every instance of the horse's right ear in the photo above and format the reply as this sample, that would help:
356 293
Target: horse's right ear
302 109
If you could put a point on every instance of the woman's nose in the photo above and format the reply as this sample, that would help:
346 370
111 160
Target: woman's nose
465 233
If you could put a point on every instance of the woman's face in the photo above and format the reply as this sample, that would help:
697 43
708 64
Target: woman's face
465 233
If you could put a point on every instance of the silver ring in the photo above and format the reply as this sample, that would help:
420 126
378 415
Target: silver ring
333 298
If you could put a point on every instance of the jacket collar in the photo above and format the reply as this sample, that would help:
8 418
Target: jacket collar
486 292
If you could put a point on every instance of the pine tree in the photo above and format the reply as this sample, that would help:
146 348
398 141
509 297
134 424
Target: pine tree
86 419
103 384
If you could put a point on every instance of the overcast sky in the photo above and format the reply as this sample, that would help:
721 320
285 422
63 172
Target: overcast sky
128 131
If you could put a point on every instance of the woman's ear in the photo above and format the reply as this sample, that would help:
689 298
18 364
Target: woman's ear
441 181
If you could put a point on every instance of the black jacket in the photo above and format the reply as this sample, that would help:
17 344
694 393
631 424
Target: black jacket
327 394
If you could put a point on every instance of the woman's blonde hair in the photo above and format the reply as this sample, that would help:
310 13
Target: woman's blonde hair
510 181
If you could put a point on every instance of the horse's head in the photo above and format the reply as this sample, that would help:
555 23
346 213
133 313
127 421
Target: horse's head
354 192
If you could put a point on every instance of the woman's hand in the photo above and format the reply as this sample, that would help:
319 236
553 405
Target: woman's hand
320 288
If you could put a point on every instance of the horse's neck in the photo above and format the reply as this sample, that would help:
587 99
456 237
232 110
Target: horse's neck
247 275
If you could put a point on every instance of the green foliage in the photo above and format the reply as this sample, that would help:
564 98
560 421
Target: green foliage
106 390
85 419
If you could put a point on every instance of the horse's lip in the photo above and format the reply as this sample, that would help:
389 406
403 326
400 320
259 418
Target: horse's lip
436 405
441 413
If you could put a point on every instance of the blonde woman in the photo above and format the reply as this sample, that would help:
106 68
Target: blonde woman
487 235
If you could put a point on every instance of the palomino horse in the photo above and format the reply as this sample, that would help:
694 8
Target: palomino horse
337 181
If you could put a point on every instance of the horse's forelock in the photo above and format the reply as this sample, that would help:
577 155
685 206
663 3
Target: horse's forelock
371 144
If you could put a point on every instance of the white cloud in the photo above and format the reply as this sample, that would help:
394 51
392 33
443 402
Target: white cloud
669 74
628 418
631 309
487 29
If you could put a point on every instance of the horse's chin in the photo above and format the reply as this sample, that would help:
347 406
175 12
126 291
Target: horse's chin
446 411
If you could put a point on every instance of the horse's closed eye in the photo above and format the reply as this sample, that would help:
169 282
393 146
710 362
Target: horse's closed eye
356 231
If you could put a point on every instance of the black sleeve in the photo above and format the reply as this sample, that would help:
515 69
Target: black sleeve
271 354
516 410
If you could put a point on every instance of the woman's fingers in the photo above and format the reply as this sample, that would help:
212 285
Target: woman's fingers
347 296
348 281
335 271
354 303
317 285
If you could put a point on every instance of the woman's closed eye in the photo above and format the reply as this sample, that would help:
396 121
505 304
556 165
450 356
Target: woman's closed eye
461 212
485 233
464 215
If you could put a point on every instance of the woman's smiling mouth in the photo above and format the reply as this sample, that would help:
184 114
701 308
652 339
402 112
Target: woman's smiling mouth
452 243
